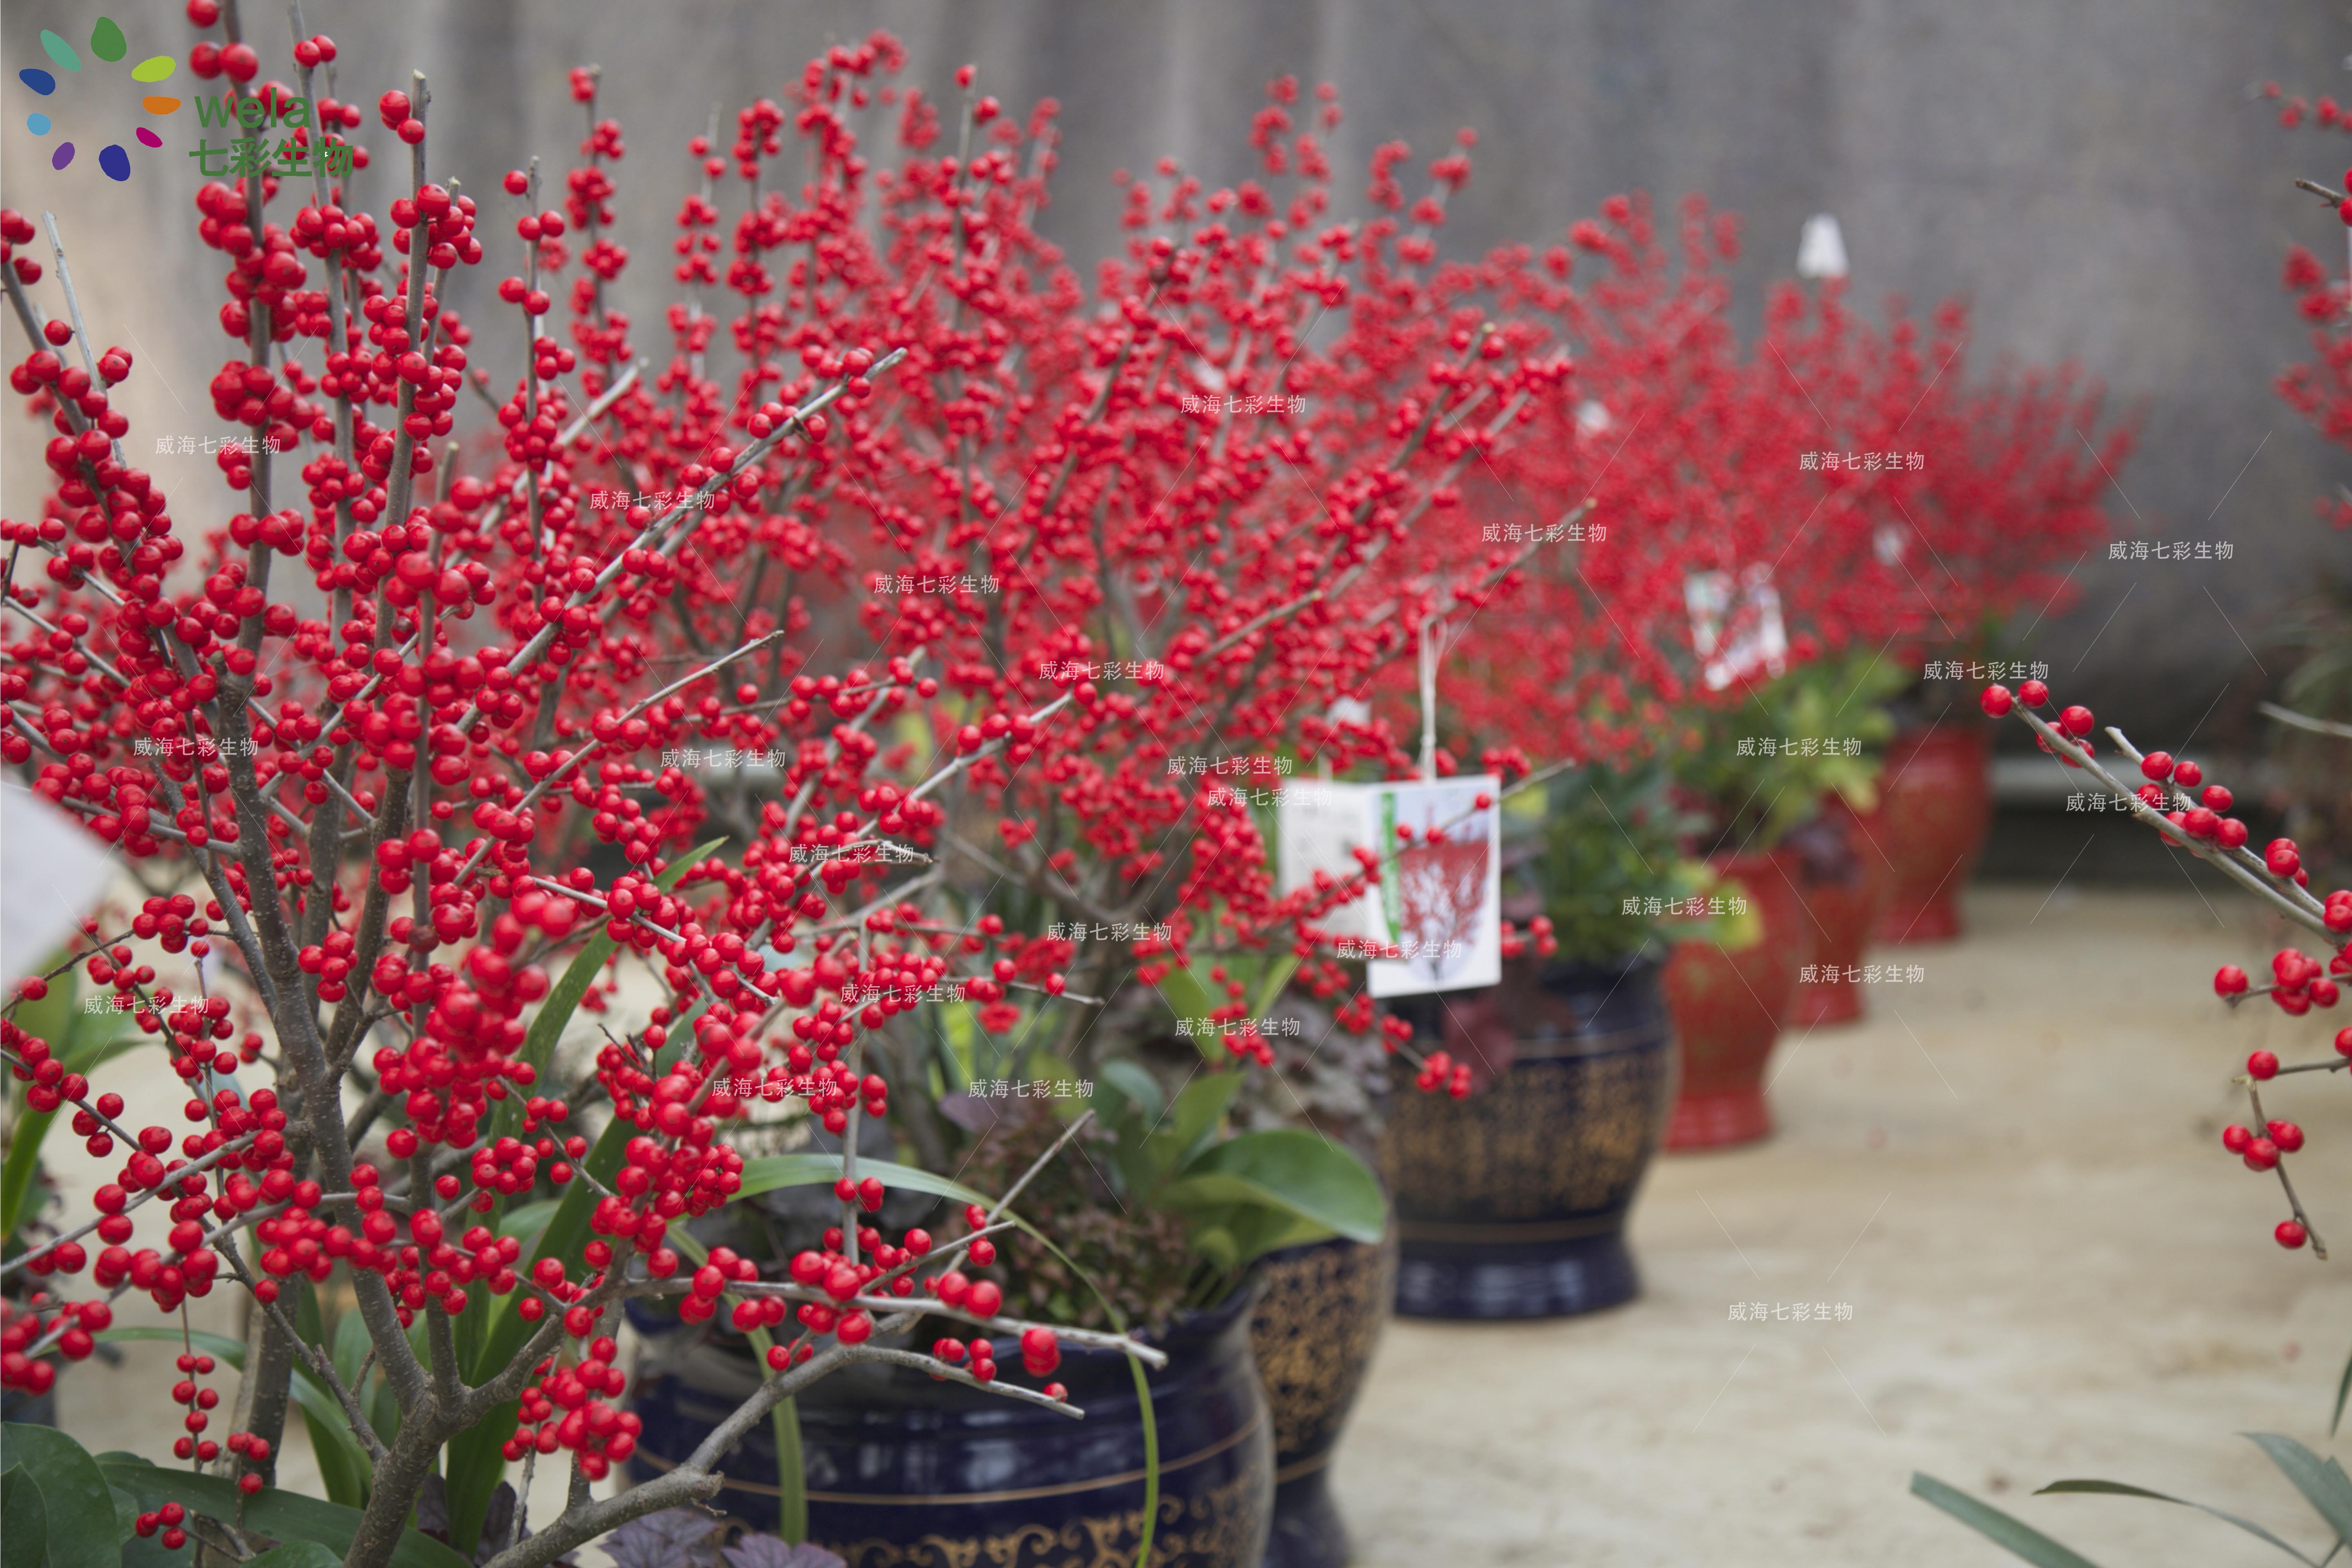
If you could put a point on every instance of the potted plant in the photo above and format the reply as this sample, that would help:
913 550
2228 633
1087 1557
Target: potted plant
1753 778
1151 1219
1511 1194
1842 876
422 749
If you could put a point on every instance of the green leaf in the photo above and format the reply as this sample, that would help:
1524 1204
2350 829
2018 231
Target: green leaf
126 1511
280 1515
23 1523
52 1017
1200 1105
1188 996
2322 1482
1291 1169
344 1462
296 1554
20 1192
765 1175
1277 976
528 1220
2015 1535
2118 1488
77 1518
1131 1082
348 1353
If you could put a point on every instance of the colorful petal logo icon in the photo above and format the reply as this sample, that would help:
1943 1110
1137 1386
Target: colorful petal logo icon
109 45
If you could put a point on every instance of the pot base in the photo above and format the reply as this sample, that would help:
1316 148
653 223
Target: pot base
1719 1120
1819 1004
1937 919
1529 1280
1307 1531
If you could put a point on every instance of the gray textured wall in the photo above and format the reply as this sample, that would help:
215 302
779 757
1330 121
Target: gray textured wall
2091 174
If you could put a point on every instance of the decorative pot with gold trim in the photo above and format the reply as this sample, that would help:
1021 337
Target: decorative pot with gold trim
902 1471
1313 1334
1512 1202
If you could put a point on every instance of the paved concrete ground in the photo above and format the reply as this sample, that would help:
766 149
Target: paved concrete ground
2012 1172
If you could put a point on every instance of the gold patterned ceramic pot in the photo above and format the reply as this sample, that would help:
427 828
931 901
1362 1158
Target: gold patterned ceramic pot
903 1472
1512 1202
1313 1334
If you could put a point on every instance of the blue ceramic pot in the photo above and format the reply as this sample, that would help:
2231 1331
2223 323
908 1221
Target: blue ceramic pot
1512 1202
901 1471
1313 1333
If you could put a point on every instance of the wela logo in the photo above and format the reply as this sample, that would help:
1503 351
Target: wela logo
247 153
107 46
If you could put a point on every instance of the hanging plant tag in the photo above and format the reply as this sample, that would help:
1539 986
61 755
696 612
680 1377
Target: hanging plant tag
1736 626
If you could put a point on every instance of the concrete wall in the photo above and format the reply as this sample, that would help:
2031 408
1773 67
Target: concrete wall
2093 175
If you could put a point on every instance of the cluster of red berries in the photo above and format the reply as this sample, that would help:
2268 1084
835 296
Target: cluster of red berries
572 1407
1439 1070
2298 981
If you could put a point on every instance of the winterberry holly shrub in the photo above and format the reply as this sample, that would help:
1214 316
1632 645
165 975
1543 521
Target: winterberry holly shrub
441 740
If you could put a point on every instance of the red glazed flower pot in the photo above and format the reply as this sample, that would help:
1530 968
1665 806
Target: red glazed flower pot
1728 1006
1936 808
1844 882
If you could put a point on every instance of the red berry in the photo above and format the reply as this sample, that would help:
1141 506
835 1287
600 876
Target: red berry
2076 720
1995 701
2187 775
2157 766
2216 797
2344 1041
2229 980
2236 1138
2033 694
393 109
2262 1064
2262 1154
2290 1233
2286 1135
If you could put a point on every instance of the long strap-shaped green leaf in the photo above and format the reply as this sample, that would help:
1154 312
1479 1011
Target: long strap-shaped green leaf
2118 1488
1997 1527
2322 1482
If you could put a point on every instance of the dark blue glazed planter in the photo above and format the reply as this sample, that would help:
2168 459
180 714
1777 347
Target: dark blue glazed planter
1313 1332
902 1470
1512 1202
